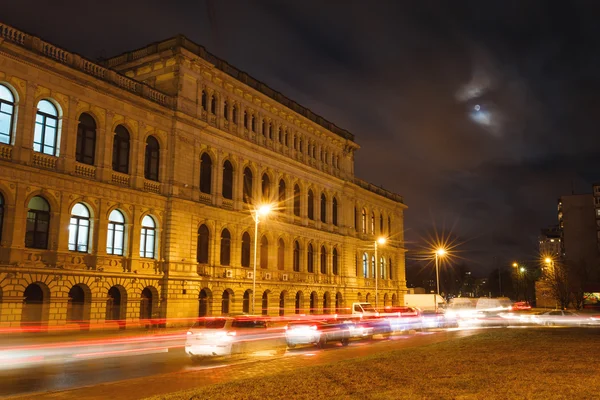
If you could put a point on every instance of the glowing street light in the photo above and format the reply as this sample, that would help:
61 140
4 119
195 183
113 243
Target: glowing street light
440 252
262 210
380 240
515 265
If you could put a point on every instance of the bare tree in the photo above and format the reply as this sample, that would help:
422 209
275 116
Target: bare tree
555 280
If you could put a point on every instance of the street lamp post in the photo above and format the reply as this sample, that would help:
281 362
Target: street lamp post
380 240
262 210
515 265
438 253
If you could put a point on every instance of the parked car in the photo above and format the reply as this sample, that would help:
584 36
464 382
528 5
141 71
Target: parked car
319 332
225 336
562 317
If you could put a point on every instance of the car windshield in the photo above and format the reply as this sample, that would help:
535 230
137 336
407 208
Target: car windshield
367 307
248 323
218 323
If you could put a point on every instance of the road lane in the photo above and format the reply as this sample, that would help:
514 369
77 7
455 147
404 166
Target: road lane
146 375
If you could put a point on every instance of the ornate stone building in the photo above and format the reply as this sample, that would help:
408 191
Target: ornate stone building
127 191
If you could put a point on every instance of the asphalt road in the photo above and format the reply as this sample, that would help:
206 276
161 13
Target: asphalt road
159 370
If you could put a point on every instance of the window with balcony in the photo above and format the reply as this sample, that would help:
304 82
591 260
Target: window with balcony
227 180
202 244
7 114
152 159
206 174
115 238
79 228
121 145
45 138
225 247
86 140
38 223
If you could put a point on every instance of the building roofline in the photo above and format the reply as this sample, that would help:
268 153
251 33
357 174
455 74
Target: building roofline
222 65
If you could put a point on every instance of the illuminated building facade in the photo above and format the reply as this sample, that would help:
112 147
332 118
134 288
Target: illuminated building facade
127 190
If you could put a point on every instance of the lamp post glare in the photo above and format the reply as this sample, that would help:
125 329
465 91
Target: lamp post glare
380 240
263 210
441 252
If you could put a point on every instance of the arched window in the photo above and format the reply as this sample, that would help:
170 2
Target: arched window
247 185
152 159
334 262
227 180
311 205
365 262
382 271
266 188
204 101
246 301
225 302
296 256
115 238
280 255
7 112
46 128
355 219
265 303
364 220
38 223
121 150
265 128
234 113
313 303
286 140
205 173
323 208
246 250
226 110
225 247
296 200
281 197
202 250
310 258
373 222
323 260
79 228
391 275
334 212
1 214
264 252
254 123
381 224
246 119
148 237
298 303
213 104
389 226
86 139
372 272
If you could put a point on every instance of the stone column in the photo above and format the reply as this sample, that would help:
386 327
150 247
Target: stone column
23 149
104 142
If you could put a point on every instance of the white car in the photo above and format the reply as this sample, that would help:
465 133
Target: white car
224 336
562 317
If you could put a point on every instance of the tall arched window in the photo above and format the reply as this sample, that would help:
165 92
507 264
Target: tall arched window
225 302
7 112
148 237
205 173
202 250
266 188
296 256
296 200
334 262
1 214
46 128
373 266
213 104
246 250
246 301
323 260
225 247
234 113
382 271
204 100
115 238
323 208
381 224
86 139
365 262
334 212
310 259
247 189
355 219
373 222
245 119
364 220
121 150
281 196
79 228
264 252
152 159
391 275
38 223
254 123
311 204
226 110
227 180
265 128
280 254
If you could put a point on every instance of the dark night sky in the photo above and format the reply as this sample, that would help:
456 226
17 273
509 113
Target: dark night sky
481 113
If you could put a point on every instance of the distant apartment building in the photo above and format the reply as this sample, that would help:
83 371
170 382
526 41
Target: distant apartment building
577 223
550 242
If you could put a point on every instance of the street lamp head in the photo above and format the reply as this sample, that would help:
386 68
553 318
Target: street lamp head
264 209
381 240
441 252
523 269
515 265
548 260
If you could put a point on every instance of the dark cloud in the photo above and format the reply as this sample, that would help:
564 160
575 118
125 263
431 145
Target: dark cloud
405 78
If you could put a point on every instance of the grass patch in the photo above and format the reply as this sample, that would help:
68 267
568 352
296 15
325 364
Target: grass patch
497 364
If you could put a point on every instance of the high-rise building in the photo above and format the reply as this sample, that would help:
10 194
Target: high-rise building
128 190
550 242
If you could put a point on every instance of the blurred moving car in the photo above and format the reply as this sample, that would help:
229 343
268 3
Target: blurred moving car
434 319
319 332
224 336
403 318
563 317
521 305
